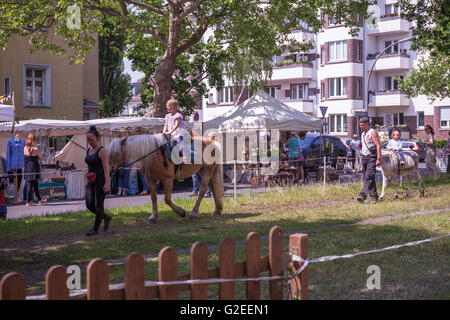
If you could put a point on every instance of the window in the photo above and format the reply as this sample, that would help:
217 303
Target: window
337 50
420 119
322 55
35 87
391 9
358 51
299 92
390 83
358 88
7 86
271 91
322 90
211 98
338 123
393 49
226 95
445 117
398 118
331 20
337 87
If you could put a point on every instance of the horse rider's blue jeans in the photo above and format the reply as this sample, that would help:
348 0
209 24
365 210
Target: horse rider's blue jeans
369 166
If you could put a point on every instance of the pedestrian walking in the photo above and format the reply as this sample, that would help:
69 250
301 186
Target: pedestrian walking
32 169
430 153
97 180
371 158
356 151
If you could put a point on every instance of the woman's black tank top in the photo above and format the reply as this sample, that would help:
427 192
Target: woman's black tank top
94 162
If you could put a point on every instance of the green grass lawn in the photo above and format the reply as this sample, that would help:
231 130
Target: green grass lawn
32 245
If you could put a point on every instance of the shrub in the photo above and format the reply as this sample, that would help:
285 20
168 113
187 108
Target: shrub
440 143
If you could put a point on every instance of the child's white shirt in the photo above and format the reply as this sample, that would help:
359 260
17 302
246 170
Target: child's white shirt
395 145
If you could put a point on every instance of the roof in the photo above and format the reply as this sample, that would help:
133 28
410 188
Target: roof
263 111
70 127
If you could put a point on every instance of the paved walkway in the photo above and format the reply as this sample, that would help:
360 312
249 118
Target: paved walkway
58 207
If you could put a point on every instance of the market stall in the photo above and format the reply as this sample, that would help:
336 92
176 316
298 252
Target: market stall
67 166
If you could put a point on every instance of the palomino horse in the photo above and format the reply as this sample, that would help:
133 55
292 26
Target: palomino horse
154 165
390 168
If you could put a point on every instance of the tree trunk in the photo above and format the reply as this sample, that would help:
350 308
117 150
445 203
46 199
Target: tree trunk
162 92
163 83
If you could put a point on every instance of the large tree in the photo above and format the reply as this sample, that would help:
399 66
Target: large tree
169 33
114 85
430 35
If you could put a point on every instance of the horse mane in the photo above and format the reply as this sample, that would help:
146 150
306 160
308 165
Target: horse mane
137 146
140 145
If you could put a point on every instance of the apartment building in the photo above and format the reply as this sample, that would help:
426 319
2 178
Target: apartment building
336 74
45 85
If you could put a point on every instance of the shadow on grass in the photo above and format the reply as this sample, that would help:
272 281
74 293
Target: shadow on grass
406 273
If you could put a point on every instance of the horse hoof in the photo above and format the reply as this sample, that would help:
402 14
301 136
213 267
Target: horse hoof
182 213
151 221
192 216
395 197
216 213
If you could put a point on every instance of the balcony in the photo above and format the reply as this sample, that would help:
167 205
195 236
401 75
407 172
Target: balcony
287 71
389 24
388 98
390 61
306 106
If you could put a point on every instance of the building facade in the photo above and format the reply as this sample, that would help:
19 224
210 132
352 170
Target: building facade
340 73
46 86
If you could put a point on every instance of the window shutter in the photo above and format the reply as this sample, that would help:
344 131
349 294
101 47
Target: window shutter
287 93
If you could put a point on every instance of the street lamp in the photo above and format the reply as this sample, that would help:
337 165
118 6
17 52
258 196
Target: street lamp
373 65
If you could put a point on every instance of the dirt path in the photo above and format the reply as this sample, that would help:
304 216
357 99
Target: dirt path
37 276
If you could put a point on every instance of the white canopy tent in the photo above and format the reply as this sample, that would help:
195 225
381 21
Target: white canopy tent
72 127
263 112
108 128
6 112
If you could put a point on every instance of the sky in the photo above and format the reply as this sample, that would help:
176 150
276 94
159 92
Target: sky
135 75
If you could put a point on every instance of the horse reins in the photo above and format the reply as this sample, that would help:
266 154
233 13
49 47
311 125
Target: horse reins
130 164
147 155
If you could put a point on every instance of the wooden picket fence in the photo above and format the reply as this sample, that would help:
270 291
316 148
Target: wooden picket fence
12 285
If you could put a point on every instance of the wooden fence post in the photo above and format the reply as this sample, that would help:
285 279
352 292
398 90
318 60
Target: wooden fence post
227 268
168 271
97 280
276 262
56 283
135 277
12 287
298 245
199 270
253 256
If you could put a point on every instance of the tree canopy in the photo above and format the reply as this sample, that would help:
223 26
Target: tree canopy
165 36
114 85
430 34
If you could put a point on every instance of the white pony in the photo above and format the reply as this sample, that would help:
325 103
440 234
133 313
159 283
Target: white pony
391 168
153 162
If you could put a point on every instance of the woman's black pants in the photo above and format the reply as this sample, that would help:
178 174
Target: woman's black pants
32 185
95 198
